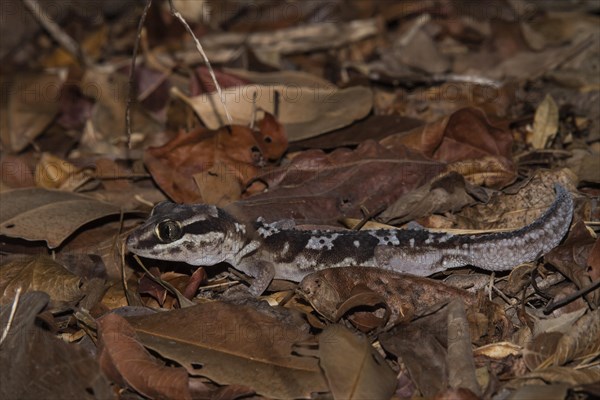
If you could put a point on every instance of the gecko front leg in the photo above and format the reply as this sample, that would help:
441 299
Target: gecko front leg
262 271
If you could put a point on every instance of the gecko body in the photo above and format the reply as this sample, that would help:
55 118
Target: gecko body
206 235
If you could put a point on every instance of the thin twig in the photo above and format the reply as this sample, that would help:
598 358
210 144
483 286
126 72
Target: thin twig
177 15
573 296
13 310
66 41
130 86
367 216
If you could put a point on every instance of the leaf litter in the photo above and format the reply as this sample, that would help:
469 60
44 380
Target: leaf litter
451 117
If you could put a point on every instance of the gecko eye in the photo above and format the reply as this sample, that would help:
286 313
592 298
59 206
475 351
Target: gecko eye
168 231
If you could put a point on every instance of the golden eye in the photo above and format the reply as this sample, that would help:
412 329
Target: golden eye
168 231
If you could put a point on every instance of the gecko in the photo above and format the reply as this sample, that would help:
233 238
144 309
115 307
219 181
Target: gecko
201 234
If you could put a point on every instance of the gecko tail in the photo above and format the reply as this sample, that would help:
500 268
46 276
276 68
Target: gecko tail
506 250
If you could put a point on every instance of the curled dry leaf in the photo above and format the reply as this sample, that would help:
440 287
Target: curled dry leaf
354 369
407 296
125 361
237 151
545 123
49 215
40 274
523 205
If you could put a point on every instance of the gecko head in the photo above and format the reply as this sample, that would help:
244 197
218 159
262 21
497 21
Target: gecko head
197 234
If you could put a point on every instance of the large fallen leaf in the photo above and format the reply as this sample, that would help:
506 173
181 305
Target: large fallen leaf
34 364
126 362
354 369
49 215
320 188
235 344
304 111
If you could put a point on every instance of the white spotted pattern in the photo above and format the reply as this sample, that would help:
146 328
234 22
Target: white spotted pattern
267 230
322 242
385 238
239 228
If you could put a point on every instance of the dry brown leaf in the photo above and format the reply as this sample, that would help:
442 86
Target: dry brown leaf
593 261
125 361
104 130
570 258
235 344
545 123
540 349
579 342
354 369
571 376
295 78
269 47
49 215
217 185
32 104
448 192
304 111
422 347
374 127
40 274
34 364
17 171
54 173
460 356
524 203
320 188
238 151
464 136
407 296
